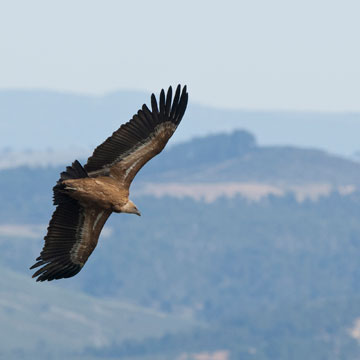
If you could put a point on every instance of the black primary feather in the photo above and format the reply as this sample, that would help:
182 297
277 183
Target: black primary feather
139 129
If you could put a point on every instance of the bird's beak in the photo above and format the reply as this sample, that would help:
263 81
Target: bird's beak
138 213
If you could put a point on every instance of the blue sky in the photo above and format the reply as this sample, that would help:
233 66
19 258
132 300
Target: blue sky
258 54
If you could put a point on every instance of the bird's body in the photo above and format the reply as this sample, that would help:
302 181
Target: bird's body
102 192
86 196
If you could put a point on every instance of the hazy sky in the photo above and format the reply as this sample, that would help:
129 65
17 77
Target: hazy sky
255 54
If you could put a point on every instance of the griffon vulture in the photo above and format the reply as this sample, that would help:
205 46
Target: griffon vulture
86 196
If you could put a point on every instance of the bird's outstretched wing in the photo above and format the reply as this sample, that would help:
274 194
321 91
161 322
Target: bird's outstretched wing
72 236
129 148
73 233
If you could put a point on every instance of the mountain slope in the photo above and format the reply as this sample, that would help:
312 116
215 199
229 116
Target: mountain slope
45 319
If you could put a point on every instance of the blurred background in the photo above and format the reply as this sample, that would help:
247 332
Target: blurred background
249 242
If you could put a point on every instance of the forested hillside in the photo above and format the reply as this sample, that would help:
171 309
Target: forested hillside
269 279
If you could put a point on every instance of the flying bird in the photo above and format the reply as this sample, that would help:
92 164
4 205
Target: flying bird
86 196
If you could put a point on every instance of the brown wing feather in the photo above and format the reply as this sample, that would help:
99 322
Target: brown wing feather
72 236
130 147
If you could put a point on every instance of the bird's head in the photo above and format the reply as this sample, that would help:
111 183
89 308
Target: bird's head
129 208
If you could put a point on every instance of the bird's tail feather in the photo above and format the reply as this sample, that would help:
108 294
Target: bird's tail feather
75 171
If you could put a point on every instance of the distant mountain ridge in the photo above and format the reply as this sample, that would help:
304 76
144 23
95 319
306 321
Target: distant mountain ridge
237 157
39 120
203 168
